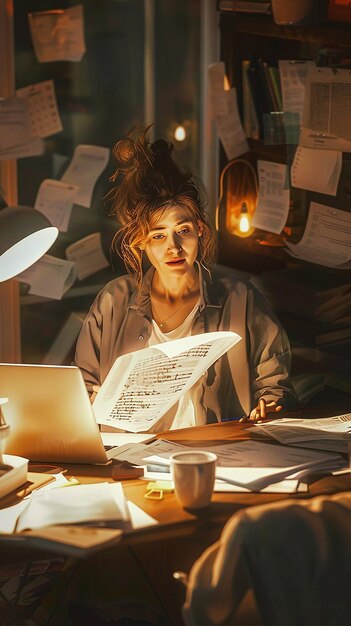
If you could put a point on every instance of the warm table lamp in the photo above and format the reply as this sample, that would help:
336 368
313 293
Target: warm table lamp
237 198
25 235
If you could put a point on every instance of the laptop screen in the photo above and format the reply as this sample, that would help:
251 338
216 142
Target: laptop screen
49 414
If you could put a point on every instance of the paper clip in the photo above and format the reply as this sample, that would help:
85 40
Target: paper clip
156 489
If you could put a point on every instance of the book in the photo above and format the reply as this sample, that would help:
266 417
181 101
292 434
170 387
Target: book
275 81
143 385
250 121
65 339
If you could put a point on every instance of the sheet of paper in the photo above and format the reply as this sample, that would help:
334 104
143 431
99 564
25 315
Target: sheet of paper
139 518
141 386
34 147
43 112
252 456
15 126
327 237
219 86
58 34
88 255
230 129
50 277
327 112
283 486
316 170
101 502
297 430
85 168
55 199
273 199
121 439
293 78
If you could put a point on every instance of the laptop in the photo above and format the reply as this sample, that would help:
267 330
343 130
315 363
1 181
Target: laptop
50 415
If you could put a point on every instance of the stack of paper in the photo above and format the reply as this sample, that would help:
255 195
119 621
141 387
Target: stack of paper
247 465
329 433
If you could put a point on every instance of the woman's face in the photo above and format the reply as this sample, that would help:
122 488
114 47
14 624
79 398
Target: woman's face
172 242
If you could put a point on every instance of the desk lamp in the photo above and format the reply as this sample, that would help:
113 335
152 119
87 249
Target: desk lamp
25 235
237 198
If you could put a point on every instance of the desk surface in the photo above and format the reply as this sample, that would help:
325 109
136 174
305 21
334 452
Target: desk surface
173 519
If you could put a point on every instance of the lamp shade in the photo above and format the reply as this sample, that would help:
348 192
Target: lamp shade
25 235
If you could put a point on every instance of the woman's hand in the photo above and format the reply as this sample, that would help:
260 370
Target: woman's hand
262 410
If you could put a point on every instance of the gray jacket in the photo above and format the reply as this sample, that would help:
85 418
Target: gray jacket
257 366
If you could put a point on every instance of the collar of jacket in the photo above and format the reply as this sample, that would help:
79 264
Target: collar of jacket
140 301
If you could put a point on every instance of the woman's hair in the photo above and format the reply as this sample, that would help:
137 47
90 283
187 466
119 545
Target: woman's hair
147 182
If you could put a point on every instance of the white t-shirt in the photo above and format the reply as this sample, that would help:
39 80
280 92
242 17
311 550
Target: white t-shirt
182 414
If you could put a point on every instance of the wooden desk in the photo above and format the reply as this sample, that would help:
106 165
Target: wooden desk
145 559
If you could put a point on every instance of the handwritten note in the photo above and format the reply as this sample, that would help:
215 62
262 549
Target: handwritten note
49 277
274 195
293 78
327 237
326 118
230 129
43 112
219 87
55 199
88 255
14 123
58 34
86 166
316 170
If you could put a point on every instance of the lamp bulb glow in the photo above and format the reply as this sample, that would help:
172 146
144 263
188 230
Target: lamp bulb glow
244 222
180 133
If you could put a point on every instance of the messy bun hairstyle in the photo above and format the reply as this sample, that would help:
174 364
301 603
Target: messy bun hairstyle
147 182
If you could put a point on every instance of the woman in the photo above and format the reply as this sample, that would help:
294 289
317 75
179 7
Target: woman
160 207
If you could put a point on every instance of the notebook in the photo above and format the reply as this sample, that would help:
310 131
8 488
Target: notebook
50 415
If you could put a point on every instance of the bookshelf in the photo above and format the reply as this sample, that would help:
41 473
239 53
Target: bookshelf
256 36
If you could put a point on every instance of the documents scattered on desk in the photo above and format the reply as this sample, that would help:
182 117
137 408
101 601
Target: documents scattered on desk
58 34
55 200
85 168
316 170
44 115
248 464
326 239
50 277
88 255
142 386
322 433
272 209
326 119
99 504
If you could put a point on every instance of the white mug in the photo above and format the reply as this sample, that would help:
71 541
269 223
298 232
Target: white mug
193 473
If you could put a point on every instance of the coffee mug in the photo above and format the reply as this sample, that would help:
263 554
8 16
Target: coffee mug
193 474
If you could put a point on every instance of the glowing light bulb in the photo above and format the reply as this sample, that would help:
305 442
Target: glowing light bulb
244 222
180 133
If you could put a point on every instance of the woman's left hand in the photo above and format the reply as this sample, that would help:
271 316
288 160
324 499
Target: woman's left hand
262 410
